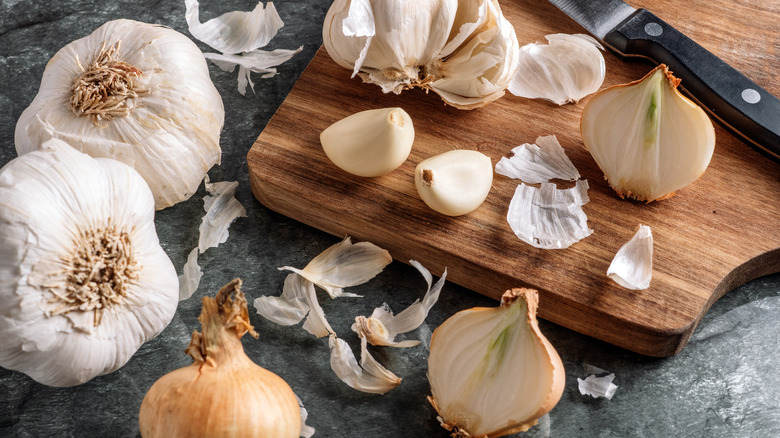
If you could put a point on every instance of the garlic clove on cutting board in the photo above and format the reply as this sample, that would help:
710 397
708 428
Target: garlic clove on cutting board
454 183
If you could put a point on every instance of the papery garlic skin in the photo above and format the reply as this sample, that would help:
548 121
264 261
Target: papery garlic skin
647 138
632 266
51 201
170 133
537 163
454 183
369 143
565 70
492 372
465 51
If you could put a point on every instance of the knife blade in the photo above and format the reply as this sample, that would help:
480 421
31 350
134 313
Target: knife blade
730 97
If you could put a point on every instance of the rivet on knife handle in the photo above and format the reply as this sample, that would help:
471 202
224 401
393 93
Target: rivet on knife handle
727 94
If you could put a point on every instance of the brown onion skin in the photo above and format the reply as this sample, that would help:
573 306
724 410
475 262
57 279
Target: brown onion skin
222 394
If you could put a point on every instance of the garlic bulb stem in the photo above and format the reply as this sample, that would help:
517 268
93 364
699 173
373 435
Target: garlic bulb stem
103 90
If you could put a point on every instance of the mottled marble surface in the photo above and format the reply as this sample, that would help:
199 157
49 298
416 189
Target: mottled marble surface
725 383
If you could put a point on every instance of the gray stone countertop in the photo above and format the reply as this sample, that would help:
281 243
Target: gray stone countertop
725 382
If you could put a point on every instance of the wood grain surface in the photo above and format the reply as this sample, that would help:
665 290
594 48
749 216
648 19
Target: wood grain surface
715 234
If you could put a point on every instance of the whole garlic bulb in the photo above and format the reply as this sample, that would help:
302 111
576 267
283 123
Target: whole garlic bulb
464 50
135 92
83 279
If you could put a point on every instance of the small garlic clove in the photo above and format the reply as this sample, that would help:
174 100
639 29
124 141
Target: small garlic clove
454 183
382 326
565 70
369 143
548 217
632 266
538 163
343 265
492 372
647 138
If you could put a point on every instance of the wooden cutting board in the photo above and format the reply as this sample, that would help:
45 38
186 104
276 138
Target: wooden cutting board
717 233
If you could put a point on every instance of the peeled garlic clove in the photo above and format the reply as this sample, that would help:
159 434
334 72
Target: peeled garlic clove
369 143
632 266
454 183
565 70
647 138
492 372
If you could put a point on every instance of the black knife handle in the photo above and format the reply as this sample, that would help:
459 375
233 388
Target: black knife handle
727 94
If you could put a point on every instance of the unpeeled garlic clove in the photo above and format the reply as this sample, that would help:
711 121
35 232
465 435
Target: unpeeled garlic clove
454 183
492 372
632 266
647 138
369 143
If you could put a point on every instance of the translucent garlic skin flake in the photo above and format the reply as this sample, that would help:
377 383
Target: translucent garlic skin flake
548 217
632 266
565 70
537 163
465 51
368 376
165 123
83 279
238 35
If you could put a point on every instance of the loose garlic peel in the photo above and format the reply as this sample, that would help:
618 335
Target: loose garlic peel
492 372
647 138
454 183
222 393
368 376
632 266
135 92
382 326
83 279
465 51
537 163
369 143
565 70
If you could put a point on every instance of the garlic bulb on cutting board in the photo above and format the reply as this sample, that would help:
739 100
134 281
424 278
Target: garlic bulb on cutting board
463 50
83 279
135 92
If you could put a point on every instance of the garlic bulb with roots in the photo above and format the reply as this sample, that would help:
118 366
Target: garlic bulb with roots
222 393
135 92
647 138
492 372
464 50
83 279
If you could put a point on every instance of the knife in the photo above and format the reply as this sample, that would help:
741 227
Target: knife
734 100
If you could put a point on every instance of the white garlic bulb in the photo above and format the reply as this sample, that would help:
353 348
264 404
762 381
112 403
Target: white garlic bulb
135 92
464 50
83 279
647 138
